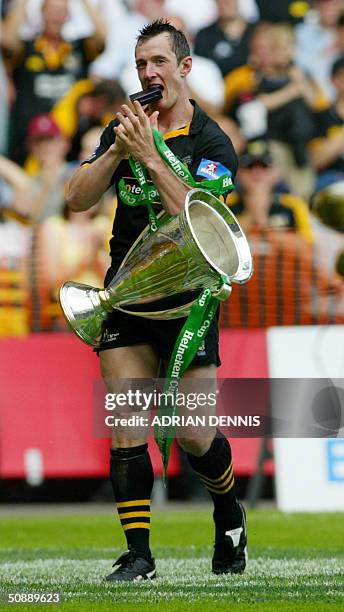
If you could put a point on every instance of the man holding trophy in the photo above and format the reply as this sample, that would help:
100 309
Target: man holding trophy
132 348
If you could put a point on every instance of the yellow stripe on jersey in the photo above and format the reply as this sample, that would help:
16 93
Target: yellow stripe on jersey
184 131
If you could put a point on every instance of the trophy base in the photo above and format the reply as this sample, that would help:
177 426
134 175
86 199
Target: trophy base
84 310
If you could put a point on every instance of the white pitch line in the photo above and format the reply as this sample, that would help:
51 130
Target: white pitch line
174 572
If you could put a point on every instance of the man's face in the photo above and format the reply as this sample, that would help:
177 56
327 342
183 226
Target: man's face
262 49
157 65
55 14
49 148
338 81
228 9
258 174
329 11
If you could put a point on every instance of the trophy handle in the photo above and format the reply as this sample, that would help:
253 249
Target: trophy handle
85 309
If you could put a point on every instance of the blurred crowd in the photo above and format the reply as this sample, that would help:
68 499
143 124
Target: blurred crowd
270 73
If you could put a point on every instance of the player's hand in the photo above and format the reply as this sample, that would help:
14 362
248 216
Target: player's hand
135 132
119 148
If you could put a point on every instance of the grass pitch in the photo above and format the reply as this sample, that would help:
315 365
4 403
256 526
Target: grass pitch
296 563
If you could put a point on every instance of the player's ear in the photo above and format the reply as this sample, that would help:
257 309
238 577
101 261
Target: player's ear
185 66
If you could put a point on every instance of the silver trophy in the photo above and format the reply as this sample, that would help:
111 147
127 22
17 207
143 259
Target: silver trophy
189 252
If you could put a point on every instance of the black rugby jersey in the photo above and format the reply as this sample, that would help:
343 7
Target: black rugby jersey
200 141
228 53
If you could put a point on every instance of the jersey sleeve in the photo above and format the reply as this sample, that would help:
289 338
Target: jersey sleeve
106 140
215 156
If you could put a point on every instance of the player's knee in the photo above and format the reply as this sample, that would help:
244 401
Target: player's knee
197 446
123 441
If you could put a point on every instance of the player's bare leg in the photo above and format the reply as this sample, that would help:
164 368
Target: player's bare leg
131 470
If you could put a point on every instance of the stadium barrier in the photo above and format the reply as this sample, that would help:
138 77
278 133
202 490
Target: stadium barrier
46 427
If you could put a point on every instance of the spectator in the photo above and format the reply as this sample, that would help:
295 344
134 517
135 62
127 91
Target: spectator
15 187
272 59
15 246
4 95
87 104
44 68
340 36
119 52
316 42
72 246
293 282
47 166
196 14
289 286
271 98
226 40
327 146
199 14
263 201
79 24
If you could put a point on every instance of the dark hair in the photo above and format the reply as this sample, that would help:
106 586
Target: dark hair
179 44
110 89
337 66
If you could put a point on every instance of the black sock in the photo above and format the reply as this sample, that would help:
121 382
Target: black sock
132 478
215 470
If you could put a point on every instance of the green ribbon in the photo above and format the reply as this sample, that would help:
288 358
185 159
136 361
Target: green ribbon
218 186
188 342
204 308
150 194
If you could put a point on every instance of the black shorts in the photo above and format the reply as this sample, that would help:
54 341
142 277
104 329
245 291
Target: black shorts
122 329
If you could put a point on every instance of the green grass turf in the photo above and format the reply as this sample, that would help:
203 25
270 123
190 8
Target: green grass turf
296 563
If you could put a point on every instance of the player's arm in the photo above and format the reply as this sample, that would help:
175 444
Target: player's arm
135 132
215 156
324 151
281 97
94 177
21 184
96 42
89 182
11 40
171 189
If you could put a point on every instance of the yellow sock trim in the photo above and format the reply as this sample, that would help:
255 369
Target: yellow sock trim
214 481
219 491
134 514
136 502
220 484
136 526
